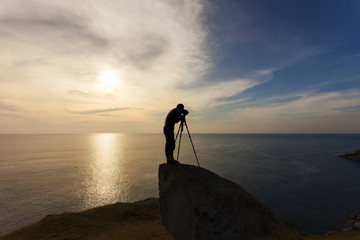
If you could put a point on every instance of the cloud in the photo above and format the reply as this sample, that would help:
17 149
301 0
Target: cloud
14 116
90 95
158 44
213 94
304 112
63 32
7 107
353 108
96 111
304 106
144 55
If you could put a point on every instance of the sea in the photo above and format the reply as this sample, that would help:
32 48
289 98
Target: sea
299 176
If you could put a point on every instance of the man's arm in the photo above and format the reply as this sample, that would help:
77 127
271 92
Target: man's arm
182 115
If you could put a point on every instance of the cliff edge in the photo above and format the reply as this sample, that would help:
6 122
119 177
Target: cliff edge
197 204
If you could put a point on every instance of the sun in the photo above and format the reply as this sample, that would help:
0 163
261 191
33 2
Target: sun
108 80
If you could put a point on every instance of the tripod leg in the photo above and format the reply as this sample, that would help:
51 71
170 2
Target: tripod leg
192 143
177 134
180 127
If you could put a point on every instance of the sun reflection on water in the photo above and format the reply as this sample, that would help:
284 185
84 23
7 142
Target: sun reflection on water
107 176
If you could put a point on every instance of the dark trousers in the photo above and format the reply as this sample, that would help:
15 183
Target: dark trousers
170 143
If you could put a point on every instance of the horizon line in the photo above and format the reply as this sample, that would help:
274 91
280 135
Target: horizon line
69 133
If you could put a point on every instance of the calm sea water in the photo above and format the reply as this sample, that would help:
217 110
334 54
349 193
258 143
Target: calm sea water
298 176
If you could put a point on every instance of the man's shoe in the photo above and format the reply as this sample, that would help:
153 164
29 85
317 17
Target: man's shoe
172 162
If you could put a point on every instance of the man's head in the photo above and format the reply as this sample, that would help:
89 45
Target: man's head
180 106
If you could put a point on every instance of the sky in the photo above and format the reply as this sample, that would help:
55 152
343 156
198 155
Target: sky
238 66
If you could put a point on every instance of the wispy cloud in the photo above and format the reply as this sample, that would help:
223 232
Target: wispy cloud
15 116
353 108
304 105
212 94
96 111
7 107
85 94
52 25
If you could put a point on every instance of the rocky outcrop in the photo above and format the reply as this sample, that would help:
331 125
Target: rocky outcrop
353 155
353 223
197 204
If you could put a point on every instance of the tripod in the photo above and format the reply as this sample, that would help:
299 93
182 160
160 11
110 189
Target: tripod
180 130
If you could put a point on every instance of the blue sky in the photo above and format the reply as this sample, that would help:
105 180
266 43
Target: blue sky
307 44
310 48
239 66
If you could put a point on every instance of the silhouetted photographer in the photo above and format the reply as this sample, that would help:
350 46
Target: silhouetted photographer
174 116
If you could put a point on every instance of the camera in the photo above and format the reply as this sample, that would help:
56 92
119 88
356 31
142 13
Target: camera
185 112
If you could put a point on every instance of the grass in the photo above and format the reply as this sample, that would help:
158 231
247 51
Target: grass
140 220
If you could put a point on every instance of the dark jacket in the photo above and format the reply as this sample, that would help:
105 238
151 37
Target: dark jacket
174 116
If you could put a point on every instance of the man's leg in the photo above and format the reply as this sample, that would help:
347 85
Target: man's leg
169 145
171 149
168 152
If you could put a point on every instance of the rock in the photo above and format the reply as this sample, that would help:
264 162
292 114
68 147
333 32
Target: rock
353 223
330 233
353 155
197 204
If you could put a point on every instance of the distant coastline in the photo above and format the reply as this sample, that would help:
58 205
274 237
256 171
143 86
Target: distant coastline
353 155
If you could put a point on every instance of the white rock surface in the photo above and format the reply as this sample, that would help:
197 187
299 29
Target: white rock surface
353 223
197 204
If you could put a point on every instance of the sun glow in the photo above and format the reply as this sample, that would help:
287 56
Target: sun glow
109 80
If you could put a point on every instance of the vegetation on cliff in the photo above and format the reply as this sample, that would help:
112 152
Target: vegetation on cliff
132 221
139 220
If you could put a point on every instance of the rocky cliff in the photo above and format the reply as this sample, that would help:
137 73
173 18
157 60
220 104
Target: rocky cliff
197 204
353 155
353 223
